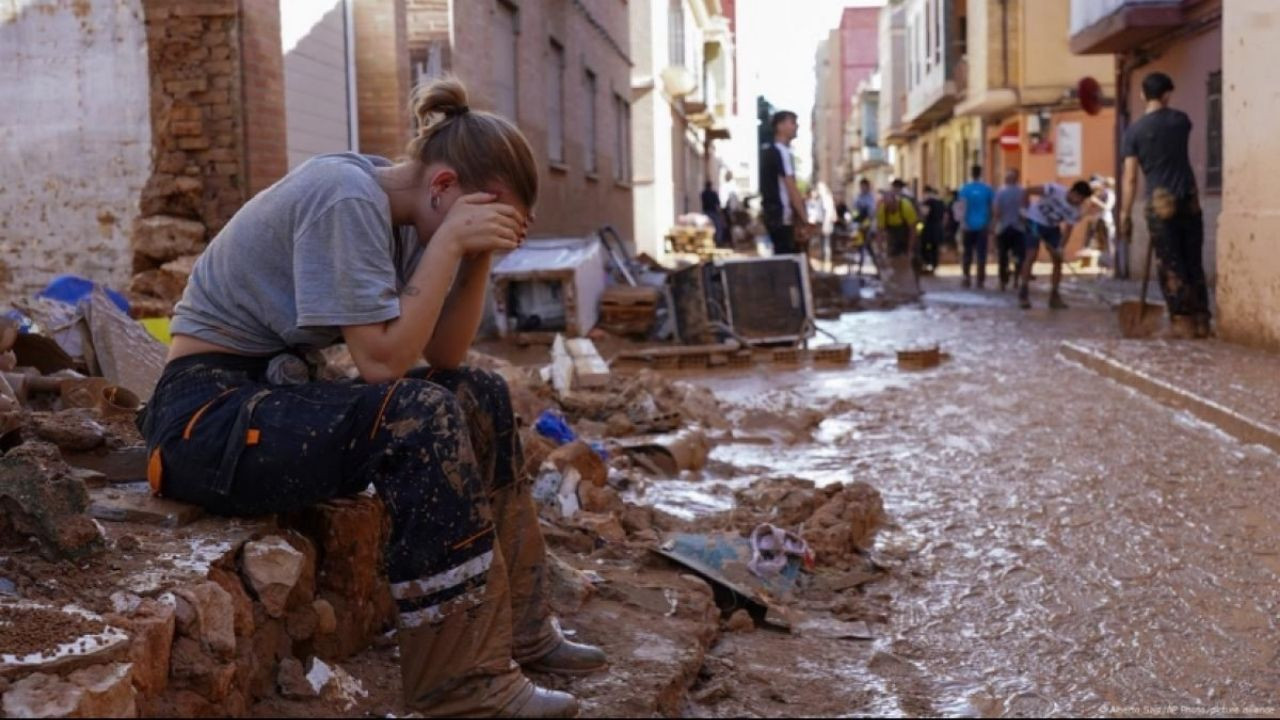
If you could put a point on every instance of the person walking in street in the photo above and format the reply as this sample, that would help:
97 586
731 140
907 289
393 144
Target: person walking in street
896 220
711 208
935 215
1053 214
781 201
1157 143
393 260
1010 229
977 197
864 215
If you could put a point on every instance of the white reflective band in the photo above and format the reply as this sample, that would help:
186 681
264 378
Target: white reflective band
454 576
437 613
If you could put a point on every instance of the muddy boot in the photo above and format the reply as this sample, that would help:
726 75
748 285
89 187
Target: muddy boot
1203 329
1055 302
1024 299
456 660
1181 327
537 642
570 658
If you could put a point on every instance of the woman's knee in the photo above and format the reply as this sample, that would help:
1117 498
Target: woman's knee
417 409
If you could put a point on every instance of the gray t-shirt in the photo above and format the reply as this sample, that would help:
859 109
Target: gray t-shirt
1009 200
308 255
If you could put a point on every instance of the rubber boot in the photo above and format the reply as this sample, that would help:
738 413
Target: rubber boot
460 665
537 642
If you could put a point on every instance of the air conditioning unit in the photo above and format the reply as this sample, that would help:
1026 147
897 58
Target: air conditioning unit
761 300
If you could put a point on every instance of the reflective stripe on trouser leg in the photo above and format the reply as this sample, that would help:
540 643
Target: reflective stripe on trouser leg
459 664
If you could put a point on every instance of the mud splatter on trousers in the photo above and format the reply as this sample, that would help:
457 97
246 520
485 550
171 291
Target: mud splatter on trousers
1176 227
440 447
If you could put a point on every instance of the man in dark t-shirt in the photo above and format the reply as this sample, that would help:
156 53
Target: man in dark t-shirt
1157 143
781 202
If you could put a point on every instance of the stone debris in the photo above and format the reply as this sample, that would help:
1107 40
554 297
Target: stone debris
98 691
42 502
740 621
205 613
293 682
272 567
846 524
335 684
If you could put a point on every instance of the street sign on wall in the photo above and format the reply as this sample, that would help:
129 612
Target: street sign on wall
1069 148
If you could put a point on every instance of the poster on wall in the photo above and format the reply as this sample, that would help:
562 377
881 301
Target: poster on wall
1069 149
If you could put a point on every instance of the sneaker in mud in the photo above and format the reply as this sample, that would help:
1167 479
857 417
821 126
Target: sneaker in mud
1055 302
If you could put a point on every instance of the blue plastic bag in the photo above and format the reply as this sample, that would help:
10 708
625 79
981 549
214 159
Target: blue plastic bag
552 426
71 289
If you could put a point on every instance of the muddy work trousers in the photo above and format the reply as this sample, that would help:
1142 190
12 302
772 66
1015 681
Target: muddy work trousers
466 559
1176 226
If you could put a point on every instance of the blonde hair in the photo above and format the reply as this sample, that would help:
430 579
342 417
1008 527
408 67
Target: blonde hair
481 147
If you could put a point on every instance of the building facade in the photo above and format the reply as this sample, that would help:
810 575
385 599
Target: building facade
682 87
844 61
559 69
1182 38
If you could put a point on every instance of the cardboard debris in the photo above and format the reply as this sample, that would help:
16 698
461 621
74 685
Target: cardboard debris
125 352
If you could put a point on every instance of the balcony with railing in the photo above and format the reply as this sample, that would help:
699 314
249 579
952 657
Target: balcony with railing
934 68
1104 27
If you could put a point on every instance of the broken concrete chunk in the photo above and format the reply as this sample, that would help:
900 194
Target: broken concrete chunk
38 499
579 455
205 613
272 567
846 524
740 621
75 430
133 502
97 691
292 680
163 238
151 626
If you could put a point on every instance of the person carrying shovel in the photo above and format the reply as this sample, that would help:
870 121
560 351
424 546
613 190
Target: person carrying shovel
392 259
1157 143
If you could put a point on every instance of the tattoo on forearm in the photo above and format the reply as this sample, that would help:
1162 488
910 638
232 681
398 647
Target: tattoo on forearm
410 290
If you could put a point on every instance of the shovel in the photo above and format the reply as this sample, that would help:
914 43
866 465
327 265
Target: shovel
1140 319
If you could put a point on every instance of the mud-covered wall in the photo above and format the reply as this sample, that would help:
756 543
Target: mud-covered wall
75 139
1248 264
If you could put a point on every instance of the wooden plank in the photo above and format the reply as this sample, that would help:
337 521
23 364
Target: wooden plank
678 350
589 369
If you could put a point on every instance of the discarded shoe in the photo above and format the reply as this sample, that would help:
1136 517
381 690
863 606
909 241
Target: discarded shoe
539 702
767 556
570 658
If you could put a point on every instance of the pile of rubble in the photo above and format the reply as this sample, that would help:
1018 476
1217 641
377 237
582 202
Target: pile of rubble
165 251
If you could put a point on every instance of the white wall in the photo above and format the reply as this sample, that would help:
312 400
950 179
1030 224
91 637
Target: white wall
317 119
75 140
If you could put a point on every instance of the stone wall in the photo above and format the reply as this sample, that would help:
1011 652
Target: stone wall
74 140
240 625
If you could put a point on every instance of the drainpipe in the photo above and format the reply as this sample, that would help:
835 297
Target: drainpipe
353 112
1004 42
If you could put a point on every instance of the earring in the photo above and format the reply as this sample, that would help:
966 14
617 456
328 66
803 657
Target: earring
435 202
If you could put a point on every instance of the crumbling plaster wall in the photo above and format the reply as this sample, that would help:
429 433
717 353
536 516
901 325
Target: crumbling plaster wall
75 139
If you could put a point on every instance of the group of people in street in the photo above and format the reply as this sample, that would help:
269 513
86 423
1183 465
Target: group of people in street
1022 222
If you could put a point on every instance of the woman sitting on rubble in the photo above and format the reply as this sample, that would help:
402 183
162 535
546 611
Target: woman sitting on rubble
394 260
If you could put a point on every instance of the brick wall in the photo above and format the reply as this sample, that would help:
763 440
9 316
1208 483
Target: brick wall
266 159
382 76
594 36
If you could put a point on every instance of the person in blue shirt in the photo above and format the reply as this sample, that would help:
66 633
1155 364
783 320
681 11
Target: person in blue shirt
978 199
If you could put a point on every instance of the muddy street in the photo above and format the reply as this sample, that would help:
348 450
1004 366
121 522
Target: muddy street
1060 543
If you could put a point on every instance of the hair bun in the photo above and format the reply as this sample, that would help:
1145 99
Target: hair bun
445 97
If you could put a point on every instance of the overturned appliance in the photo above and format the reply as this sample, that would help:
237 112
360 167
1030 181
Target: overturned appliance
549 286
758 301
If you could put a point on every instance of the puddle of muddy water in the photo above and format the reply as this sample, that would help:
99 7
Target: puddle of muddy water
1062 545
